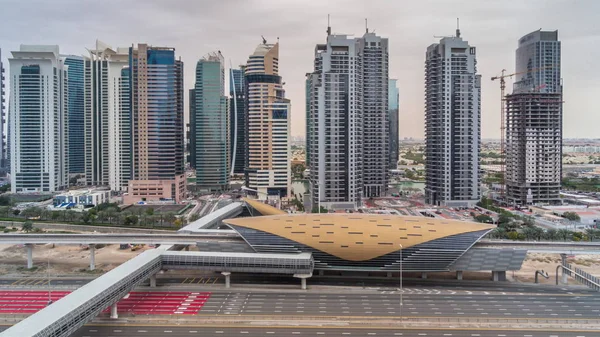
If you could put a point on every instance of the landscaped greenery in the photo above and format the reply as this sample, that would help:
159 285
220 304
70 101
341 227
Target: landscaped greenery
417 158
102 215
581 184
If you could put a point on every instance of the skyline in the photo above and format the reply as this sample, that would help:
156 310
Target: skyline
195 29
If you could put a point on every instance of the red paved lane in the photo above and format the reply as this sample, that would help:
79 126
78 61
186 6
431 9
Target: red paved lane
139 303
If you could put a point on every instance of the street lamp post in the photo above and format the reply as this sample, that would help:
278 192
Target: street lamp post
401 290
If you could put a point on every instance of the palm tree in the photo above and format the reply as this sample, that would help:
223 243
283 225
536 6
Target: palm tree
565 234
498 233
551 234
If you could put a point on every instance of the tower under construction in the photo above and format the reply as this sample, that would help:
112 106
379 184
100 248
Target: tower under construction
534 123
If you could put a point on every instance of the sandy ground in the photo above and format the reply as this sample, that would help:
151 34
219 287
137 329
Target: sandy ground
63 260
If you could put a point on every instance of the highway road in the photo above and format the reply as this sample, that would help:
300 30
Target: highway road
162 331
387 304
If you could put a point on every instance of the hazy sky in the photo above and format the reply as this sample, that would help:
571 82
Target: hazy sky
196 27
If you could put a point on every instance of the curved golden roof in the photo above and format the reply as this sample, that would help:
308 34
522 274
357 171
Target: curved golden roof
263 208
357 237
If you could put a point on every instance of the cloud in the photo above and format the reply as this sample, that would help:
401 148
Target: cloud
196 27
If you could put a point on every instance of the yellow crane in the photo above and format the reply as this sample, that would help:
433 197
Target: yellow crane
502 113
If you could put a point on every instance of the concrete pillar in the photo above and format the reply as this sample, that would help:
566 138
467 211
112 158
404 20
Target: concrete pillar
564 278
459 275
113 311
303 278
499 275
424 275
29 256
227 278
303 283
153 281
92 257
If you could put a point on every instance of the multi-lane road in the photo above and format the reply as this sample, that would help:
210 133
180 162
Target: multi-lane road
335 301
175 331
165 331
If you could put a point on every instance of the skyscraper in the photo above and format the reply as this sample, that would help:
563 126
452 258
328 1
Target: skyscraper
268 128
76 113
210 125
38 114
106 118
348 119
534 122
452 123
376 125
157 163
393 112
307 117
238 120
4 163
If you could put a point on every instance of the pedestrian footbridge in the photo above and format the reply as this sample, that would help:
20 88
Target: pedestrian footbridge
64 317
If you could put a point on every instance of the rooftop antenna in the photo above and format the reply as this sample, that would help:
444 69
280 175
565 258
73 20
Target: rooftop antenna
366 25
457 27
264 40
328 26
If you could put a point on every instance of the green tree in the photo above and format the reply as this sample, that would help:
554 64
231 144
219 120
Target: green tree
483 218
4 188
551 234
168 218
316 210
150 211
498 233
565 234
5 200
55 215
130 220
27 226
5 210
194 217
110 214
16 212
571 216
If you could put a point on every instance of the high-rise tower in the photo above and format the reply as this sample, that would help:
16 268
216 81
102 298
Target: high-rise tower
76 113
210 126
348 123
237 120
4 162
157 163
452 123
393 112
38 120
268 127
534 122
107 117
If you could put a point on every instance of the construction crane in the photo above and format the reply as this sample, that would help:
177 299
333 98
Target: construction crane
502 121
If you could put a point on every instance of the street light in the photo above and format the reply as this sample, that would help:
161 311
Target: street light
401 290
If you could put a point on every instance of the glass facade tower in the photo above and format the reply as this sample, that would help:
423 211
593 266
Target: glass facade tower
210 125
76 114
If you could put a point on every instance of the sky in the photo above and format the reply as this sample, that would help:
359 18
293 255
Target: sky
197 27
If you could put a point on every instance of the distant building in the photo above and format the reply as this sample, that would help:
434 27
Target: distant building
76 113
238 119
452 123
393 112
534 122
157 161
209 118
107 117
38 115
268 129
4 162
348 120
80 199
